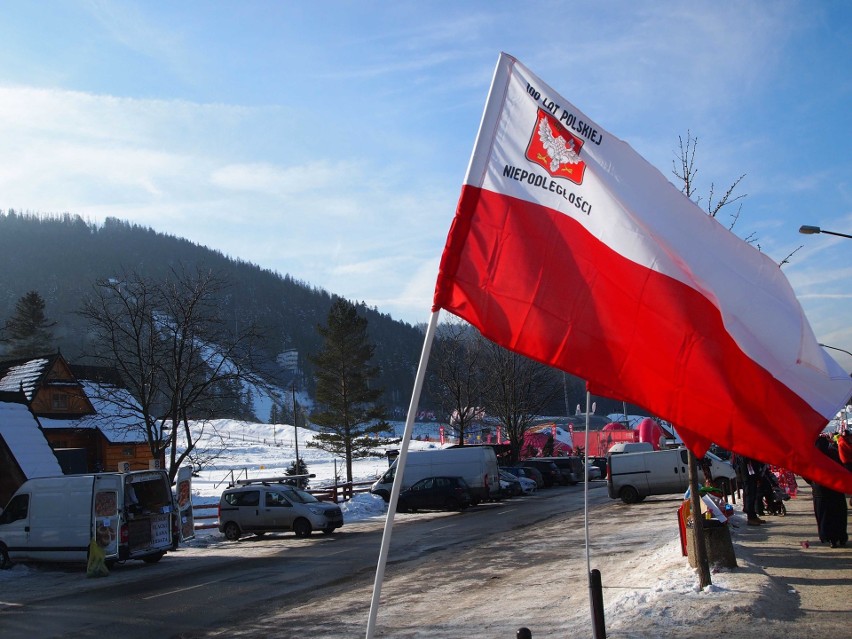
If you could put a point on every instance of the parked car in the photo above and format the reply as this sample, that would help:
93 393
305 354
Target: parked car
477 465
527 471
261 506
593 472
510 485
549 471
599 463
571 468
435 493
528 486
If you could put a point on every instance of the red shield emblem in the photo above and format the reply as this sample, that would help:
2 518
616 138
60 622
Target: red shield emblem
555 149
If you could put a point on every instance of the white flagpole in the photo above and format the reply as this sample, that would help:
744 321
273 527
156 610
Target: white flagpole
586 487
400 469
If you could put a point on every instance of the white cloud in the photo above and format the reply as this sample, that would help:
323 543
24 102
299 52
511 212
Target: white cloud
283 181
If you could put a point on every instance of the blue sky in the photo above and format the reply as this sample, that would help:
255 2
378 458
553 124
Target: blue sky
330 140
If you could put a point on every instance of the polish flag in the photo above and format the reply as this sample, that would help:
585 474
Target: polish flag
569 248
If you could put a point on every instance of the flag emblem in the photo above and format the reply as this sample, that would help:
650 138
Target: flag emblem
556 150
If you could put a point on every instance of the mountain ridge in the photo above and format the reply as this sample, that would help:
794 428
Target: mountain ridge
62 256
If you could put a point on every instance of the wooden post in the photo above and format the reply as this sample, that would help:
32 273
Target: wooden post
698 524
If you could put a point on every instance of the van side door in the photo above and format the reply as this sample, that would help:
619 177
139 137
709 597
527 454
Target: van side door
105 512
184 503
247 505
683 469
278 512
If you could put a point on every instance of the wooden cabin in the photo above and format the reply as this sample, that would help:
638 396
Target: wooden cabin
86 433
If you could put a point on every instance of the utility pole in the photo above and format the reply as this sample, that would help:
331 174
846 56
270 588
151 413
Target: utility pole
296 425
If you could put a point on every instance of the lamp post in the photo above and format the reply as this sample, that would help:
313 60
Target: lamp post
834 348
813 230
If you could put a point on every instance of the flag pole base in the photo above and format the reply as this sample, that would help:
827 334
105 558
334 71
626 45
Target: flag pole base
596 599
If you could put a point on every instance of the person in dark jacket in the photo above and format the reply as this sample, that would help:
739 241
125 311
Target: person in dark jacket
829 505
750 470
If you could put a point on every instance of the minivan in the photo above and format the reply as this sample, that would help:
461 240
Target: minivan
634 476
261 506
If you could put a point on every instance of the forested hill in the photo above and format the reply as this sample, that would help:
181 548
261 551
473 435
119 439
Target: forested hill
62 256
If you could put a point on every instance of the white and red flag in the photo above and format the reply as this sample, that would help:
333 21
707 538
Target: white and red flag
569 248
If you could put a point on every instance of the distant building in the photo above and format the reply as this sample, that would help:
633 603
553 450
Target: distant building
289 360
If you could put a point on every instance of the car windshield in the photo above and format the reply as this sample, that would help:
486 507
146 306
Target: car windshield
301 496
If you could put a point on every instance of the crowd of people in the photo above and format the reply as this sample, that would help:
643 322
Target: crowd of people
761 484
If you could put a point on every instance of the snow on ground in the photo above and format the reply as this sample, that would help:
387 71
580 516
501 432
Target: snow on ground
236 450
261 450
242 450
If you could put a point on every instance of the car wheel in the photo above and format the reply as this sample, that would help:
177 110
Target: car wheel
232 531
629 495
5 561
302 528
401 507
152 559
328 530
452 504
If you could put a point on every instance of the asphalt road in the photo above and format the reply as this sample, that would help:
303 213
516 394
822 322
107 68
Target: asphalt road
200 591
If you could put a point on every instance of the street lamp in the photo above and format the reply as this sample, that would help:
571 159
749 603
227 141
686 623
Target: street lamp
813 230
834 348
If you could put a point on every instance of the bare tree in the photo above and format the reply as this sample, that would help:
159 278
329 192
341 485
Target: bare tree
685 170
518 390
175 354
456 380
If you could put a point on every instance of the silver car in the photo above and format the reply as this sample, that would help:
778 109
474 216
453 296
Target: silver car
259 508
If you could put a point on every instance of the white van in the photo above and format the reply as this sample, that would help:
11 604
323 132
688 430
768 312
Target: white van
634 476
630 447
131 515
477 465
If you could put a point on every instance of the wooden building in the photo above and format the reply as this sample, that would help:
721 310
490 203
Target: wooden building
86 432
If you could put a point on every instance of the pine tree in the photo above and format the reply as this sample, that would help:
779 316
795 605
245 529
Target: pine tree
298 468
28 329
349 418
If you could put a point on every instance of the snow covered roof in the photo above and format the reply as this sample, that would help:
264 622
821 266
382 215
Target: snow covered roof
119 419
22 435
23 376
